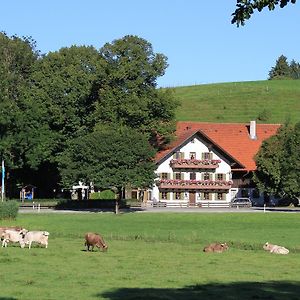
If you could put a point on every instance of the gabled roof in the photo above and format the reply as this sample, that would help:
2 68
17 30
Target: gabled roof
232 138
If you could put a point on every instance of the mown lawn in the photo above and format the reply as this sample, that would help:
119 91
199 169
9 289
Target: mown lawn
155 256
269 101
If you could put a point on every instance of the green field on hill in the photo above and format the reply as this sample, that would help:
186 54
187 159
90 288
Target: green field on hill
269 101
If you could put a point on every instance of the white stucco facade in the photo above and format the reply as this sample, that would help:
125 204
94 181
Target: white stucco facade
192 184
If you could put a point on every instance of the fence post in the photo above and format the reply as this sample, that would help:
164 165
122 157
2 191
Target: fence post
33 205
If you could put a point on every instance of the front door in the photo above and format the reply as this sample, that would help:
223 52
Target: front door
192 198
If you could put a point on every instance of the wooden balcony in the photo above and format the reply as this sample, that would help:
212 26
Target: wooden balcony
174 184
194 163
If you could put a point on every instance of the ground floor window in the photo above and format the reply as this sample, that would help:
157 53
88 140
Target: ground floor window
164 196
206 196
178 196
221 196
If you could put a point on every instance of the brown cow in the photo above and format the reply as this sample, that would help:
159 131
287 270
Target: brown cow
94 239
216 247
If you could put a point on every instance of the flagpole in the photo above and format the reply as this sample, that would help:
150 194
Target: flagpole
3 182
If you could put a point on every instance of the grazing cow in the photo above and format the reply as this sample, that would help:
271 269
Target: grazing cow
275 249
40 237
3 228
14 236
95 239
216 247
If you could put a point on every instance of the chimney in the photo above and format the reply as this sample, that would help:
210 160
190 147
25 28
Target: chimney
253 130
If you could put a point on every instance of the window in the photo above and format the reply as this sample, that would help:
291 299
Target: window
164 176
178 196
206 155
177 176
164 196
193 176
221 196
220 176
178 155
206 176
192 155
205 196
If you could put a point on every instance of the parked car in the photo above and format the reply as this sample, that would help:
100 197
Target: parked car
241 202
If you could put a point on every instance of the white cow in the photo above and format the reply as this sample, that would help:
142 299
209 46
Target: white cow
275 249
14 236
40 237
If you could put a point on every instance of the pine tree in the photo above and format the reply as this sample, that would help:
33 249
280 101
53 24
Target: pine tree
281 70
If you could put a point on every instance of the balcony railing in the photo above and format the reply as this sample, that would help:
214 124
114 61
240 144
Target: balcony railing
194 184
194 163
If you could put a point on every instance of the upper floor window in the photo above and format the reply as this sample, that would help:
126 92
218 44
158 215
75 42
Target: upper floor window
220 176
192 155
206 176
207 155
164 176
178 176
193 176
178 155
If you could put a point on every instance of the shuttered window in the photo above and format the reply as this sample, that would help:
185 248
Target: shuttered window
193 176
206 176
220 196
164 176
220 176
178 196
207 155
164 196
178 155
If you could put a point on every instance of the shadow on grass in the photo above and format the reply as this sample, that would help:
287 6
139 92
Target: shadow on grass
7 298
275 290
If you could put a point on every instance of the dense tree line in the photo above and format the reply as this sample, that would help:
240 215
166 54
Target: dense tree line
66 115
278 164
285 70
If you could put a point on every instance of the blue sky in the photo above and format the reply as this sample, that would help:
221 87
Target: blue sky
197 37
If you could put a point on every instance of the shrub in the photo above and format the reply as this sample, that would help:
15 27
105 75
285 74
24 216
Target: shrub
106 194
9 209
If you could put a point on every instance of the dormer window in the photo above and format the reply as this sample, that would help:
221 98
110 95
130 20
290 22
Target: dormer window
207 155
178 155
192 155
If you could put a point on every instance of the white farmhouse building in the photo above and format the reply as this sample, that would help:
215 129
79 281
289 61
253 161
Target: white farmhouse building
209 164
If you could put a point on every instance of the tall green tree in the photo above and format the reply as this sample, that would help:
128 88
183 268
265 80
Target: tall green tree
278 167
281 70
111 157
245 8
17 59
128 93
294 70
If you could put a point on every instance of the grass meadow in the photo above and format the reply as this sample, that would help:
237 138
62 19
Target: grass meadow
269 101
155 256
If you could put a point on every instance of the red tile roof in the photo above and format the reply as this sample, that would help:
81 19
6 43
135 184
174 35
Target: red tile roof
233 138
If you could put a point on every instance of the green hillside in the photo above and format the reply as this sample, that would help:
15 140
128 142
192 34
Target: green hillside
270 101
